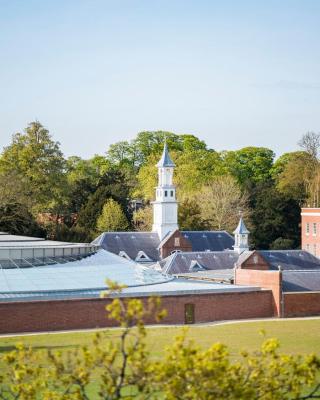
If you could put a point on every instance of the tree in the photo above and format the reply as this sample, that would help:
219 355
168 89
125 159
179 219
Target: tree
38 162
189 215
220 203
292 172
112 218
273 216
111 185
17 220
143 218
250 164
310 142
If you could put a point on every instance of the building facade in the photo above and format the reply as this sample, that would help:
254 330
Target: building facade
310 230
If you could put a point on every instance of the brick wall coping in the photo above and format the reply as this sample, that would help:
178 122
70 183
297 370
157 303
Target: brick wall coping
171 288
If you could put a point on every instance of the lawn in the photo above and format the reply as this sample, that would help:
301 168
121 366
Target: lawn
296 336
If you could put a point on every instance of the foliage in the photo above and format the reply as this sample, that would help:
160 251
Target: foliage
112 218
142 219
250 164
17 220
190 216
37 161
282 244
273 216
111 185
124 368
220 203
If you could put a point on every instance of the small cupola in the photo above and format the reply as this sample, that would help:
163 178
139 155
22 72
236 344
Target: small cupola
241 237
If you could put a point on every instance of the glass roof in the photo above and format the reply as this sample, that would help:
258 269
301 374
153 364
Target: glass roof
87 273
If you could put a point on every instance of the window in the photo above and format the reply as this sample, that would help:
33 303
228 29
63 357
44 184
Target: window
171 193
315 249
165 193
314 229
308 247
307 228
177 242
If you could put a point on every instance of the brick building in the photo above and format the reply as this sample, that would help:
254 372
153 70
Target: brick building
310 230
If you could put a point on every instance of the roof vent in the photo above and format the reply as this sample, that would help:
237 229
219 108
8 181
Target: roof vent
117 237
204 235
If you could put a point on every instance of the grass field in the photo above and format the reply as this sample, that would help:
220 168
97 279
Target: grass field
296 336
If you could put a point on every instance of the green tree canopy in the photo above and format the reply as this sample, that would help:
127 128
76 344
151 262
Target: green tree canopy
38 161
250 164
112 218
273 216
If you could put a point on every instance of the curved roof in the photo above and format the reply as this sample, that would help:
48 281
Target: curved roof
86 274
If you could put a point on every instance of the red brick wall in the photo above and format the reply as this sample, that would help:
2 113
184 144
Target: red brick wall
35 316
170 244
266 279
255 261
310 241
301 304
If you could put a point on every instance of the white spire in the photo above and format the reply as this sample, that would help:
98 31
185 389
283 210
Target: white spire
165 160
165 207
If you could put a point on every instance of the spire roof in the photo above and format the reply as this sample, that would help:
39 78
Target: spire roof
165 160
241 228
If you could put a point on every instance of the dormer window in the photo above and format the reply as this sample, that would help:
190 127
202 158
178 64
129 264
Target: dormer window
165 193
141 256
171 193
195 266
124 255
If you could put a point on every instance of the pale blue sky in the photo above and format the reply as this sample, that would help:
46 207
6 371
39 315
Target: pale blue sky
234 73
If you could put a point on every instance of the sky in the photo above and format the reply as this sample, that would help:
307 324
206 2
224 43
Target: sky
233 73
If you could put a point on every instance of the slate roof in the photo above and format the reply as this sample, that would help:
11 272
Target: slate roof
209 240
180 263
148 242
302 281
290 260
131 243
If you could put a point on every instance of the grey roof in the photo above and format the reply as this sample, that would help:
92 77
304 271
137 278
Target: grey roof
241 228
183 262
148 242
301 281
174 287
217 275
209 240
165 160
290 259
7 239
86 274
130 243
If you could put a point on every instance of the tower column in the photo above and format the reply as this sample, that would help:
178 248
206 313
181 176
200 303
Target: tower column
165 207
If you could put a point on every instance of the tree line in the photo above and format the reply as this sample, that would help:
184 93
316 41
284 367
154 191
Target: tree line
46 194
